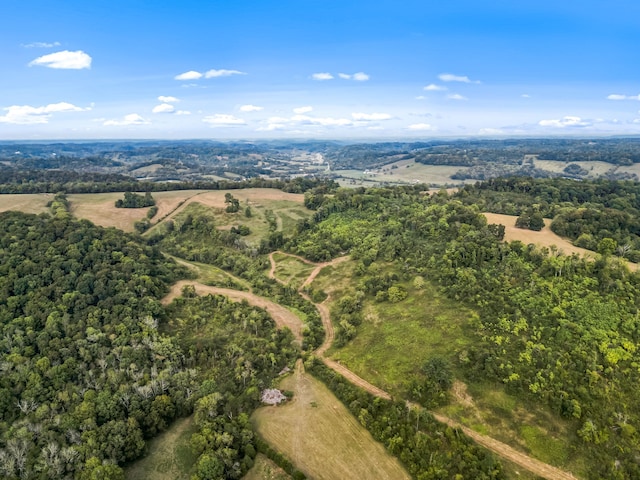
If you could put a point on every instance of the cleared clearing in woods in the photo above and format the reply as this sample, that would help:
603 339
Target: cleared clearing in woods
319 435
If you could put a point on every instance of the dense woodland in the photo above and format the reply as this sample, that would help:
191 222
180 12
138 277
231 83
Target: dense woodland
88 371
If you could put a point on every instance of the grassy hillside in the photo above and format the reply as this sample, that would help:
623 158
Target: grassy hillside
321 437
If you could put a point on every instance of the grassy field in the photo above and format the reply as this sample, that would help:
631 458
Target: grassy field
291 270
531 428
286 209
169 457
395 339
214 276
403 171
100 209
27 203
319 435
265 469
543 238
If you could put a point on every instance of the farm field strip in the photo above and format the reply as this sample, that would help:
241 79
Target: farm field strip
544 238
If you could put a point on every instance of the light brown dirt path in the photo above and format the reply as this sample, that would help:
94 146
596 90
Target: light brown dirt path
282 316
319 268
534 466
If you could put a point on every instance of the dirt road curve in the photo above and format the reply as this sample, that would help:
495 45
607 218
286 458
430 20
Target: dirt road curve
282 316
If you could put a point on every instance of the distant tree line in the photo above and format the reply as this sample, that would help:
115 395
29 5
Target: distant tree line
70 182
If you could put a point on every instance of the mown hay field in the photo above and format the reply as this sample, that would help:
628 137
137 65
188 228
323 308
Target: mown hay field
319 435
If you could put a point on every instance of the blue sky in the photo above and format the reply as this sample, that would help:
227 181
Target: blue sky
310 69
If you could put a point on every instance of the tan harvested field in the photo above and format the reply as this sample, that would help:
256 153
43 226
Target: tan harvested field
543 238
319 435
27 202
100 209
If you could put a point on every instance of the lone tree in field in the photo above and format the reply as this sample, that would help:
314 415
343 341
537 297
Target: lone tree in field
233 204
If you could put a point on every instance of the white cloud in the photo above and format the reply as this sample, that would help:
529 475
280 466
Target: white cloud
567 121
490 131
322 76
323 121
183 112
223 120
165 99
358 77
41 45
131 119
222 73
370 117
64 60
301 110
615 96
250 108
421 97
456 96
420 127
448 77
163 108
28 115
279 123
190 75
271 127
434 88
525 95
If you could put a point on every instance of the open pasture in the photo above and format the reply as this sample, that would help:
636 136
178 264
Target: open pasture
27 202
319 435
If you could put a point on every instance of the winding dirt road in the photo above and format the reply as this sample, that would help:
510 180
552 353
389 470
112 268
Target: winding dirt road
286 318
